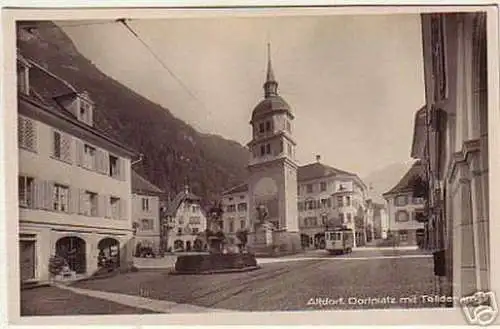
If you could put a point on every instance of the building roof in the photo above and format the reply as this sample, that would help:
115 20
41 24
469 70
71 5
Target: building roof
304 173
319 170
185 195
237 189
45 90
142 185
270 105
406 184
419 133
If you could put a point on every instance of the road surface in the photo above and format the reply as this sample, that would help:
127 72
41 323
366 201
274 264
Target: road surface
362 280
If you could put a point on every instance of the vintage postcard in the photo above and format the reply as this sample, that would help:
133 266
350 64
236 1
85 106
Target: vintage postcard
251 165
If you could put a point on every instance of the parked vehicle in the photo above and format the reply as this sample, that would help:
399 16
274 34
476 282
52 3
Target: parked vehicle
339 240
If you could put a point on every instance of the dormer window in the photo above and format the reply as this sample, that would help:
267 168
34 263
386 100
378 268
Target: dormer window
23 77
85 111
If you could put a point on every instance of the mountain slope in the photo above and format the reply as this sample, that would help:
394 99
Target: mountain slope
174 152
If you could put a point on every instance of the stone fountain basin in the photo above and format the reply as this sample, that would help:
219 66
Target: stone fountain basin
215 263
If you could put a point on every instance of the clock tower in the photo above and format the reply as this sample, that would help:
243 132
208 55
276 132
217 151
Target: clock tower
272 166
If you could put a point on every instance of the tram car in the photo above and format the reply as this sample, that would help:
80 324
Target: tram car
339 240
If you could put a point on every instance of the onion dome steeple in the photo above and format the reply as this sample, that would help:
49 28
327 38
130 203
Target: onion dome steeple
272 102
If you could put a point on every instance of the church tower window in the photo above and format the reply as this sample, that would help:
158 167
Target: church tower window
268 126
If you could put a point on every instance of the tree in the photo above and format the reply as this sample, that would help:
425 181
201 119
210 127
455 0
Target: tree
242 235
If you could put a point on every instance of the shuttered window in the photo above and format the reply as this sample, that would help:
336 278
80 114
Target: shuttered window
61 146
89 157
26 191
27 134
145 204
124 213
114 204
89 203
60 198
114 166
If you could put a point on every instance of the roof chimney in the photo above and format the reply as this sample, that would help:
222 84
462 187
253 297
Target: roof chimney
186 189
318 158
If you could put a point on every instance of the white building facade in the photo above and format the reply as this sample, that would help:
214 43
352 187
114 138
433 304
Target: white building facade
74 182
186 222
236 215
406 212
451 139
146 214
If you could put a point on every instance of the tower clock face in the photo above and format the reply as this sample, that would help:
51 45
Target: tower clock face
266 187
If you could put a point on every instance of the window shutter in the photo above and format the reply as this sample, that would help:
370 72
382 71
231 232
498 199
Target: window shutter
74 200
121 169
107 203
105 169
100 205
20 131
102 165
82 204
98 160
29 134
49 195
123 210
66 148
79 152
38 201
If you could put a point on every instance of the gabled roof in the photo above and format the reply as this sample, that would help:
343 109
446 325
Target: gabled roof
185 195
406 183
46 88
319 170
142 185
419 133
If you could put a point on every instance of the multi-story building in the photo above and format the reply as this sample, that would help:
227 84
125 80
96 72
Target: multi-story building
236 215
186 221
406 211
74 181
326 196
451 139
146 213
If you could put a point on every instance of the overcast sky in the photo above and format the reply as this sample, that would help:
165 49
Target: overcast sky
353 82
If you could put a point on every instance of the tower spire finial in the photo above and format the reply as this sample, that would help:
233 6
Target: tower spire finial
270 73
270 86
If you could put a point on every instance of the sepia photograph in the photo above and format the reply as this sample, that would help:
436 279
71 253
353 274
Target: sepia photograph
234 163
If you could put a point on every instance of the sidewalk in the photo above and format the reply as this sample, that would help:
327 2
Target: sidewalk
385 248
154 305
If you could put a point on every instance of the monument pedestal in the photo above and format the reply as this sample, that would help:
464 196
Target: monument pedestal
266 242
